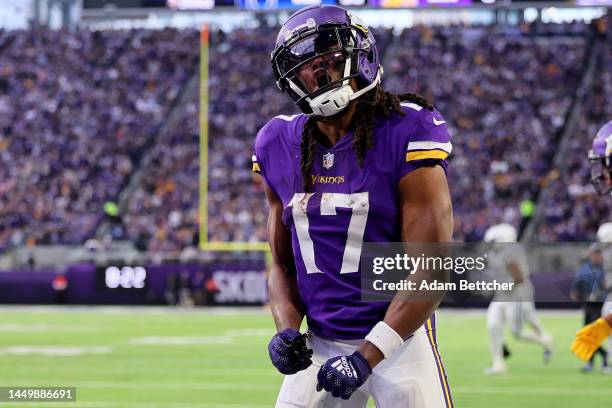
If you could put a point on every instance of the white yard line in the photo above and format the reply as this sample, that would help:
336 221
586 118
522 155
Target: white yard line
157 385
135 309
570 391
482 312
240 372
54 351
45 327
257 310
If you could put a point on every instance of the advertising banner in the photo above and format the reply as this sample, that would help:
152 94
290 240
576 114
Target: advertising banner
215 283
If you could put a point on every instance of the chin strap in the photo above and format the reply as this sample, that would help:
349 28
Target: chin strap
367 88
335 100
608 152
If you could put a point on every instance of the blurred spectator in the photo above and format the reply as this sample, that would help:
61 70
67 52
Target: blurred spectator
60 285
505 91
589 288
574 211
76 111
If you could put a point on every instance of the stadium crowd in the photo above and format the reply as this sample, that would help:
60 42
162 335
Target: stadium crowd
505 93
574 211
243 97
78 110
482 79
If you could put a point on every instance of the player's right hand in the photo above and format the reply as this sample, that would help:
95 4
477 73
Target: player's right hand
288 351
589 338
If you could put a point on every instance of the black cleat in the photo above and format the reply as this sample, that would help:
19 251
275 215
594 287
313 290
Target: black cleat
506 352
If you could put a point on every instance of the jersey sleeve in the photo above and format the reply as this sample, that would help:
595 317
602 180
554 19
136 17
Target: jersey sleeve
260 159
426 144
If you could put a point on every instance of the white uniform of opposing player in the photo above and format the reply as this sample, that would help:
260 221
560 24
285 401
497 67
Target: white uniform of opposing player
404 379
604 235
516 307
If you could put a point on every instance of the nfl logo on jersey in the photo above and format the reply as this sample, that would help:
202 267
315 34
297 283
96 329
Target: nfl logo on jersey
328 160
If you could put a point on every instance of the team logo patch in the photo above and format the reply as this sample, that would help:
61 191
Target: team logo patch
309 26
328 160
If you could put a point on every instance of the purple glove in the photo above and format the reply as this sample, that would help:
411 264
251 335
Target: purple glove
342 375
288 351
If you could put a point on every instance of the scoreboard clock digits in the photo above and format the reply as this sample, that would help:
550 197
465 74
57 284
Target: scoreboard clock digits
127 277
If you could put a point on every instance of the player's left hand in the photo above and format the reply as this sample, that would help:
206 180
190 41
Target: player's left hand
289 352
342 375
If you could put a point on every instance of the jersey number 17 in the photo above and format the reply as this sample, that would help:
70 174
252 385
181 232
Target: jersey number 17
359 205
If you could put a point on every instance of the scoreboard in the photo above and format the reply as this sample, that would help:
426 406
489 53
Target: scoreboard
121 277
294 4
279 4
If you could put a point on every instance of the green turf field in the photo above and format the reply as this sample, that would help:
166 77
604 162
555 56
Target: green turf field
140 358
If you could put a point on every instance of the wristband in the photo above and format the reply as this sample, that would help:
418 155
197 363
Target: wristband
384 338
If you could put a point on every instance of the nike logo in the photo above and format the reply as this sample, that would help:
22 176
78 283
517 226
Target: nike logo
438 122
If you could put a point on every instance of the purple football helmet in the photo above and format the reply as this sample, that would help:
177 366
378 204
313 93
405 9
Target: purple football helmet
600 157
318 50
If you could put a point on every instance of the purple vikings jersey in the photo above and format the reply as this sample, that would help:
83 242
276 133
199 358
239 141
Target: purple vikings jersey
348 205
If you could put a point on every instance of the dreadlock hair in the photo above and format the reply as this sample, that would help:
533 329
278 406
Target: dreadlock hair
374 104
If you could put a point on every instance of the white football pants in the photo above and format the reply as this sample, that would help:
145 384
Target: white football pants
413 377
517 315
605 310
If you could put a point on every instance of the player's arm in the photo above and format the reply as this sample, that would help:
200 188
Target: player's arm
579 286
287 348
285 301
426 216
515 272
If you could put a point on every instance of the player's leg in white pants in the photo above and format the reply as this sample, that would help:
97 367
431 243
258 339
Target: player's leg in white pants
299 390
519 314
531 318
496 316
606 310
413 377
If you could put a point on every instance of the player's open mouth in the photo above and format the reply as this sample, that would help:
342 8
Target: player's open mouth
322 77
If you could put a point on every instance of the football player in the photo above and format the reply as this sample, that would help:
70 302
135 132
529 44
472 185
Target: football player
359 165
600 158
515 307
590 338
